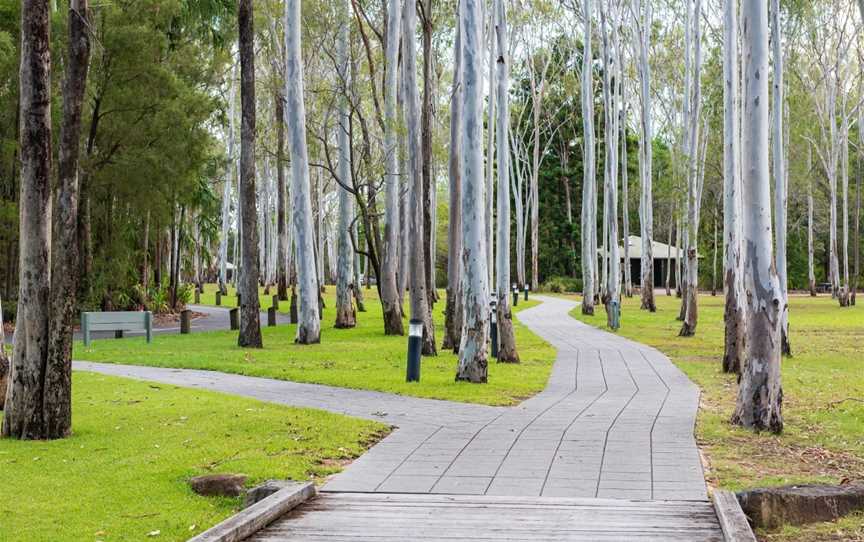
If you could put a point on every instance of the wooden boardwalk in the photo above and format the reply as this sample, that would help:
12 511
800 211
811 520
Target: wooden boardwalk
336 517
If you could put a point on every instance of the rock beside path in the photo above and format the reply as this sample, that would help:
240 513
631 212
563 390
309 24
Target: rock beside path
798 505
219 485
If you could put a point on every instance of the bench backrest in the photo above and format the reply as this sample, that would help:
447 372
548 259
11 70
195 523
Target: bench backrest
116 321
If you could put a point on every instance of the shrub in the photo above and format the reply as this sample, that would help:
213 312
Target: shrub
559 285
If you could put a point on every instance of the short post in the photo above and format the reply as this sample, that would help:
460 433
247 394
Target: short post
515 294
118 334
527 288
293 310
321 305
271 317
234 317
616 315
415 344
276 302
218 298
186 321
493 328
197 296
85 328
238 298
148 326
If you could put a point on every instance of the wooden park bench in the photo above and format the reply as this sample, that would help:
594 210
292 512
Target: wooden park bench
117 322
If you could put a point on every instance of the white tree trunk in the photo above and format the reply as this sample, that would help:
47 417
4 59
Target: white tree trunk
612 259
226 192
691 291
309 325
811 272
346 317
506 338
760 393
453 309
419 297
472 353
734 325
589 216
646 155
490 148
779 163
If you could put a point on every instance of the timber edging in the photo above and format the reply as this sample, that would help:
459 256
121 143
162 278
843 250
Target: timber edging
254 518
732 520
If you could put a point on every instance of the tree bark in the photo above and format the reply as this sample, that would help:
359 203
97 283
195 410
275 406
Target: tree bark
506 337
346 317
691 291
589 216
734 315
779 164
419 300
309 325
426 129
453 309
25 415
646 157
472 352
250 310
811 272
760 394
390 297
283 246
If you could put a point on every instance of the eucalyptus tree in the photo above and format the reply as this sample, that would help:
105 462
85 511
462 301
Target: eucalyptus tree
589 175
811 272
419 296
506 338
760 393
475 295
250 309
346 317
734 325
779 166
390 296
453 310
309 325
612 293
39 400
642 12
691 292
492 26
226 190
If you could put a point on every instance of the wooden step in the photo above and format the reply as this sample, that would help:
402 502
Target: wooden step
364 517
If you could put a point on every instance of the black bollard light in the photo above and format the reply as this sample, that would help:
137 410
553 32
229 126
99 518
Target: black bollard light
515 294
527 287
493 328
415 345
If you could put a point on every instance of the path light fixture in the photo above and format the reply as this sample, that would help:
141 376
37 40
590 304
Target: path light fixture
415 343
515 294
527 289
493 328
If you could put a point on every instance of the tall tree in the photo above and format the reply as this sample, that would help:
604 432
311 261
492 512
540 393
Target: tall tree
453 309
760 393
390 296
250 309
419 300
226 193
426 129
691 291
589 197
283 245
506 338
734 328
643 17
346 317
780 179
309 324
475 334
30 412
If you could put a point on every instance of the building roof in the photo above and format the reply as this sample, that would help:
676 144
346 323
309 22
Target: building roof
660 250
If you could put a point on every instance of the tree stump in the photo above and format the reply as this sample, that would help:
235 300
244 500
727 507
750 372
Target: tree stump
186 322
234 317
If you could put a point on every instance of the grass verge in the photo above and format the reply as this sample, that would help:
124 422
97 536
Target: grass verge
123 473
360 358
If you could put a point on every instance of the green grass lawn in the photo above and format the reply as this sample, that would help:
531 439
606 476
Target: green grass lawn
823 384
362 358
123 473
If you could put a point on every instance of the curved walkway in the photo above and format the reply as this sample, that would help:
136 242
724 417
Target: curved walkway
615 421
